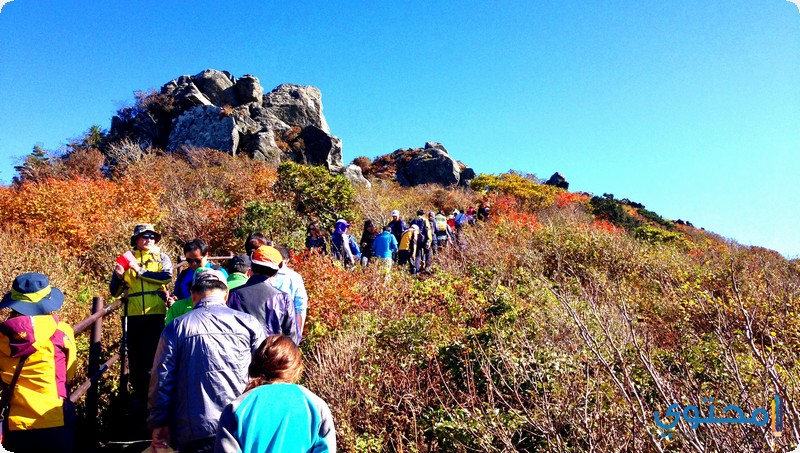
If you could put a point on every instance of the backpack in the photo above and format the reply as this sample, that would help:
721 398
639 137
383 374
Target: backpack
423 228
354 248
441 223
461 219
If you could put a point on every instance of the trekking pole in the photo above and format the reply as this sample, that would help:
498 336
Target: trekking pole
123 348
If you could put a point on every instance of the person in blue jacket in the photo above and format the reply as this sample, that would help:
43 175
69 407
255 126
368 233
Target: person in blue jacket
275 414
384 246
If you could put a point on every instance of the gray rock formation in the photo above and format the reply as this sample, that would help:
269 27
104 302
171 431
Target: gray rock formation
297 105
353 173
262 146
213 109
321 149
217 86
558 180
204 127
248 90
429 165
467 175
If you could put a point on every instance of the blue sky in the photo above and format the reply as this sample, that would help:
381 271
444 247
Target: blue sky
689 107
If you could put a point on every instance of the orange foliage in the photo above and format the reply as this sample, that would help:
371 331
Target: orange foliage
605 225
74 213
564 198
506 207
332 292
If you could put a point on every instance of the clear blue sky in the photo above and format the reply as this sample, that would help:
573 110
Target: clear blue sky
689 107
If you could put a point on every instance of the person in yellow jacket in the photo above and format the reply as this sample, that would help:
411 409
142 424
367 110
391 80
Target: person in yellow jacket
408 248
41 417
143 278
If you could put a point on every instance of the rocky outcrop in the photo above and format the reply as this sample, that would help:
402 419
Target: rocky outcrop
297 105
558 180
354 174
204 127
213 109
431 164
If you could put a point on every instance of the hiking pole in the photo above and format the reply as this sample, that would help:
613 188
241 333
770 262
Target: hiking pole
123 348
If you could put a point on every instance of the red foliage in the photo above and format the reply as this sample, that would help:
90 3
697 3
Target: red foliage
506 207
564 198
605 225
332 292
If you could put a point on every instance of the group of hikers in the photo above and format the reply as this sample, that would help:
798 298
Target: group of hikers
213 357
411 244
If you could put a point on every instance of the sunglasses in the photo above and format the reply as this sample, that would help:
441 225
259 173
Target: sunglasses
148 236
194 260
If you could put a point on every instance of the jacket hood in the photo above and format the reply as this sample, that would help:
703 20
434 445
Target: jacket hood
20 333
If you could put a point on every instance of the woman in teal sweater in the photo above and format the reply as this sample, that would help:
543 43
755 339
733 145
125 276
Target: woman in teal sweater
275 414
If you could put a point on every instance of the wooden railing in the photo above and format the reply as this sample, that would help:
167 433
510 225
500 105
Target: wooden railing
95 369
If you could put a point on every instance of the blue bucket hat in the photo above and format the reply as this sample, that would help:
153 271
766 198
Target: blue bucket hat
31 295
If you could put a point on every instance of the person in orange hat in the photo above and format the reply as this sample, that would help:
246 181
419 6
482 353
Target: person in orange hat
273 308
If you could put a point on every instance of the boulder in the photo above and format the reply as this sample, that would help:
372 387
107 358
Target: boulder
431 165
558 180
297 106
204 127
262 146
248 90
353 173
466 176
217 86
319 148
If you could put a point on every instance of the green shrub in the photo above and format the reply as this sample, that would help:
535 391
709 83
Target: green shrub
315 193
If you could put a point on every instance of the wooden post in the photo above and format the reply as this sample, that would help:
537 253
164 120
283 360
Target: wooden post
95 349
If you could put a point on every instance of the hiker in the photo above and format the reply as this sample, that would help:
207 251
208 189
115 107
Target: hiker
340 244
37 359
183 306
144 277
434 232
200 367
443 230
315 242
367 237
291 282
483 212
273 308
238 269
195 253
408 248
254 241
384 246
422 258
397 225
276 414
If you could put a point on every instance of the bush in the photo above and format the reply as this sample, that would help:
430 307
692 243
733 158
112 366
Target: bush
315 193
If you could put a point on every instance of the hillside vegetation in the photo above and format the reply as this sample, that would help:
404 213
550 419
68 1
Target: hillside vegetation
561 325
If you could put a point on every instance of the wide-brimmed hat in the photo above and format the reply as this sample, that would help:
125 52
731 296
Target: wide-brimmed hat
145 228
31 295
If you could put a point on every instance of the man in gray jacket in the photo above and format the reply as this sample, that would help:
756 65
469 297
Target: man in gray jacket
200 367
273 308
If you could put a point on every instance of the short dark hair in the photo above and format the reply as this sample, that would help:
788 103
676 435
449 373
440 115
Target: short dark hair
205 286
263 270
196 244
284 252
254 241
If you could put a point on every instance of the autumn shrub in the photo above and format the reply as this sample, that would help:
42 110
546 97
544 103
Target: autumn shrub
74 213
531 195
315 193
